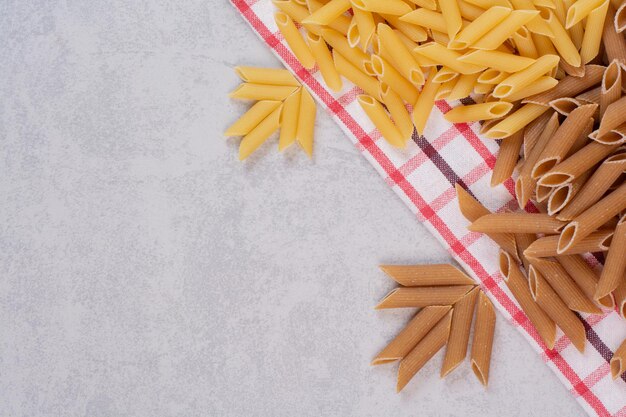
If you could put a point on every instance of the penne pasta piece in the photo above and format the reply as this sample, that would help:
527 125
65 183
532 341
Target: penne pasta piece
520 80
251 119
505 29
570 86
270 76
482 111
590 96
577 31
391 7
399 114
563 194
523 241
428 4
463 87
446 57
590 46
452 16
565 105
366 26
492 76
297 13
614 115
516 121
614 43
339 43
479 27
289 121
500 61
620 298
328 12
564 286
518 285
424 104
616 136
341 24
400 55
424 351
294 40
470 11
444 89
445 74
516 223
579 10
387 74
620 18
547 246
426 18
507 158
486 4
381 120
368 84
614 269
353 35
611 87
592 218
324 60
534 130
481 88
423 296
429 275
306 122
578 71
524 43
259 134
585 277
413 32
561 39
618 361
249 91
535 25
609 171
471 209
410 336
483 338
556 309
462 316
564 138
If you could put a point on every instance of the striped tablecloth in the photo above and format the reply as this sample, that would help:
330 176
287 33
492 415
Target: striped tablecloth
423 175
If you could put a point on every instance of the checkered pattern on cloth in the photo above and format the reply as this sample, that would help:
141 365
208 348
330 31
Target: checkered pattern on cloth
424 175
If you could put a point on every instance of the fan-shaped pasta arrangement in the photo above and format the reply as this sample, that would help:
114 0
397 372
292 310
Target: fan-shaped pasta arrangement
446 298
282 102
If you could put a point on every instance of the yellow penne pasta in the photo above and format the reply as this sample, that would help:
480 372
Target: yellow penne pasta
469 11
507 158
249 91
423 296
535 25
520 80
400 55
479 27
524 42
482 111
463 86
366 25
426 275
570 86
340 24
579 10
306 122
328 12
585 277
324 60
297 12
444 89
590 46
387 74
391 7
368 84
271 76
483 338
381 120
428 4
259 134
460 327
497 60
618 361
538 86
289 121
251 119
446 57
410 336
445 74
340 44
424 104
614 269
353 34
561 40
505 29
516 121
427 19
294 39
398 111
486 4
452 16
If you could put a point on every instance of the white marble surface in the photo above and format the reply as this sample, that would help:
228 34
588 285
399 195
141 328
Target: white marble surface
144 271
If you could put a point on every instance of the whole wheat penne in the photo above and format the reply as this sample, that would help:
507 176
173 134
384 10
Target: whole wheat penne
289 121
565 105
425 349
578 71
618 361
518 81
614 115
271 76
392 7
564 286
368 84
534 130
259 134
299 48
556 309
401 56
250 91
328 12
324 60
620 18
481 111
479 27
413 32
609 171
585 277
592 218
339 43
251 119
423 296
516 121
387 74
611 88
410 336
620 298
516 223
426 275
616 136
591 96
614 43
590 46
424 104
542 194
570 86
503 30
614 269
507 158
459 332
518 285
396 108
547 246
449 58
578 163
564 138
524 43
483 338
562 195
472 210
463 86
381 120
523 241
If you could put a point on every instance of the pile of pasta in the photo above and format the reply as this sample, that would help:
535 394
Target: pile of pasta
281 103
446 298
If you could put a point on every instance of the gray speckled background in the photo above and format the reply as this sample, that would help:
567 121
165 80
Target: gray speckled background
144 271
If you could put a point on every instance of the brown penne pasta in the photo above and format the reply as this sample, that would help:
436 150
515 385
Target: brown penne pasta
459 332
523 241
611 88
563 194
423 296
618 361
425 349
426 275
614 115
414 331
616 136
483 338
585 277
620 18
591 96
615 265
533 131
518 285
620 298
517 223
507 158
565 105
565 287
547 246
570 86
556 309
614 43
